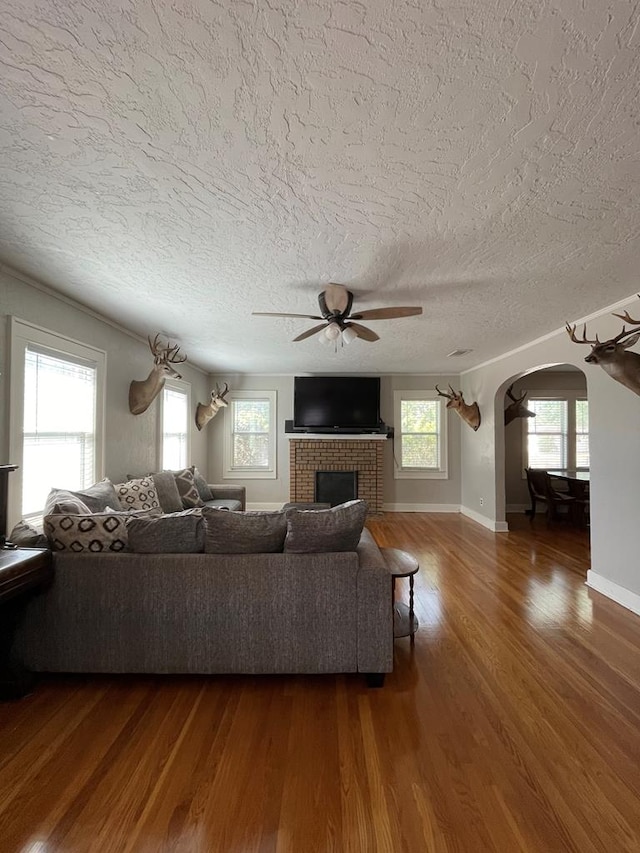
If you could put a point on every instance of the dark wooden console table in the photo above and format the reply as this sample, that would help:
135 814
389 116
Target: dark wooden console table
23 571
402 565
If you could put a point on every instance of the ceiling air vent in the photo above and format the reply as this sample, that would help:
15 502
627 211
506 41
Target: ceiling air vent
458 352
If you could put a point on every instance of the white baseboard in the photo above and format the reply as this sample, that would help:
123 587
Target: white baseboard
614 591
494 526
396 507
265 507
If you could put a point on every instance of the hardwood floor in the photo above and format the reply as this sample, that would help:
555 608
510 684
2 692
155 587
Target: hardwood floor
512 725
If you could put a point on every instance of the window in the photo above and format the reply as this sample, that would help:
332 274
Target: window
558 436
250 439
174 420
420 435
56 416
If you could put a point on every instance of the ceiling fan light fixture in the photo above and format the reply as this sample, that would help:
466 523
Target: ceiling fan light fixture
332 331
349 334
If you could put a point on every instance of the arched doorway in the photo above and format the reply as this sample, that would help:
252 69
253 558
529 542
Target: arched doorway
556 438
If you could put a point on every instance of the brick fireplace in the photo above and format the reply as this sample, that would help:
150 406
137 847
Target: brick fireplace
339 453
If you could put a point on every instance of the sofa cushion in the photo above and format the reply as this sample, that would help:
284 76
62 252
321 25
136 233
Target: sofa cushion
186 484
243 532
321 530
98 532
138 494
62 500
174 533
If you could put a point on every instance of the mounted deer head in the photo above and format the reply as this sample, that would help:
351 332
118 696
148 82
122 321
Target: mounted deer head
143 392
516 409
469 414
612 355
204 413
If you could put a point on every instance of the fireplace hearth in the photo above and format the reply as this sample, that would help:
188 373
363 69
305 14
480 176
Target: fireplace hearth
336 487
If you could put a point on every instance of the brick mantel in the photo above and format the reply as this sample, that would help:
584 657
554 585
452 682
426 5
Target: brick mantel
361 453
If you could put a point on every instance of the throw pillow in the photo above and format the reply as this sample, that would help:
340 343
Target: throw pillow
24 535
201 485
227 532
138 494
165 485
175 533
187 487
99 496
62 500
101 532
322 530
168 493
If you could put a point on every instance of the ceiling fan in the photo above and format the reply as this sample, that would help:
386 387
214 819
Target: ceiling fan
335 303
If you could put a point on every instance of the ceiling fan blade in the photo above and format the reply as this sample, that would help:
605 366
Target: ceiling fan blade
364 333
275 314
336 298
385 313
310 332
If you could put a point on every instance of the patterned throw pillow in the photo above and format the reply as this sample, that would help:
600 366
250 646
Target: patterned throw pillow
138 494
186 484
101 532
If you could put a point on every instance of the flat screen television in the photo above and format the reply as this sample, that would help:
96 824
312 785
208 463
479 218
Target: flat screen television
334 403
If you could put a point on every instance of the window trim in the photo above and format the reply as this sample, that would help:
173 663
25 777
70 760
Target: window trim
22 334
571 397
184 387
268 473
440 473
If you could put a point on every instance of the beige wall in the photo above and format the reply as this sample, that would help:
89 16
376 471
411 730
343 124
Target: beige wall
398 494
131 442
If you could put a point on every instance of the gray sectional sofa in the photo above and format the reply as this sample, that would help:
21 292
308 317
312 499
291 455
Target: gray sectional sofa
213 613
207 589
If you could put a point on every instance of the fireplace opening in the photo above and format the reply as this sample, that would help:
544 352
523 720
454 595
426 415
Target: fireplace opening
336 487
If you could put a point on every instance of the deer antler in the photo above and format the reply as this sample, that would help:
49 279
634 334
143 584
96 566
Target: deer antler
511 397
628 318
172 355
571 331
451 396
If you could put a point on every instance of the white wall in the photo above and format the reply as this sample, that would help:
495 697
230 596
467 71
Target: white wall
614 435
131 441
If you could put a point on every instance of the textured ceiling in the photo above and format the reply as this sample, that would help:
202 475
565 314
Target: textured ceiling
177 165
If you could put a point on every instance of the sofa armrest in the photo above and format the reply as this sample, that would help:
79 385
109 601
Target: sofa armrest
229 493
375 608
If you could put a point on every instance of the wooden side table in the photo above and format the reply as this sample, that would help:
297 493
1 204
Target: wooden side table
23 571
402 565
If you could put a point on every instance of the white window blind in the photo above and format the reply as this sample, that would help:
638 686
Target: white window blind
250 440
420 427
547 434
59 426
175 428
558 436
250 435
582 434
420 444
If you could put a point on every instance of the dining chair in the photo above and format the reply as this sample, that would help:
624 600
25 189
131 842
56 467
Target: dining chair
541 489
579 490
